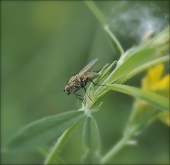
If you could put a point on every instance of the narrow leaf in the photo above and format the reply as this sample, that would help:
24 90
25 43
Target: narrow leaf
43 130
91 140
60 144
134 61
146 66
106 72
153 99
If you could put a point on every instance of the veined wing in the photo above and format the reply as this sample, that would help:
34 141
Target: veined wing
88 66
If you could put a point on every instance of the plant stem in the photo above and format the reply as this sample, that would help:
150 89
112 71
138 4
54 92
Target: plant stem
118 147
114 39
96 12
100 17
130 132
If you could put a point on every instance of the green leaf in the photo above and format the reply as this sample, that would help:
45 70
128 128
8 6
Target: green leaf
134 61
60 144
102 78
106 72
44 150
100 97
43 130
91 140
145 66
153 99
96 108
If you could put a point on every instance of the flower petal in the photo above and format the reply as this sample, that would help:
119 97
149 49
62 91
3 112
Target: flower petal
163 83
154 74
145 84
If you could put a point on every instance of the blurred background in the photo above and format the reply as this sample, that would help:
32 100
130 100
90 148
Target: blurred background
44 43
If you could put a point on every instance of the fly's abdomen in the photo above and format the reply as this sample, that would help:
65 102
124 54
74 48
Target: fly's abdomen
91 75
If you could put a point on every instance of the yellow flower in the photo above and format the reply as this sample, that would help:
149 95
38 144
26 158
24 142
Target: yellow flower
154 82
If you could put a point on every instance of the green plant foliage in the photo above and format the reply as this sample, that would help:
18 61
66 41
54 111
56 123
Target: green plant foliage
115 43
145 66
55 51
43 130
153 99
91 141
134 61
51 158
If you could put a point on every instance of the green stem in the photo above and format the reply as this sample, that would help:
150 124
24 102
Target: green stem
100 17
130 132
114 39
96 12
117 147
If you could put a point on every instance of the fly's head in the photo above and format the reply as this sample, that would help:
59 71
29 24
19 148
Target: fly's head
67 89
71 83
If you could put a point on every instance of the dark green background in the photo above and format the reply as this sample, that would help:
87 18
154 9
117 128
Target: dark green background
44 43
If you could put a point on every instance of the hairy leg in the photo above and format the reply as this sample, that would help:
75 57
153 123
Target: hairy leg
80 97
94 82
86 92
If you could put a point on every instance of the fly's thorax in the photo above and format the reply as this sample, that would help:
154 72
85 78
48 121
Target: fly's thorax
74 81
91 75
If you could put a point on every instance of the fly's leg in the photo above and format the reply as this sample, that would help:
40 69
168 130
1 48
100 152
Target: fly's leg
115 81
76 93
94 82
118 80
86 92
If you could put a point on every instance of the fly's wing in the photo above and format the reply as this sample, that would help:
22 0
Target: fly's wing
88 66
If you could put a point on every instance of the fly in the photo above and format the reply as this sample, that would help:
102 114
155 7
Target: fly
80 80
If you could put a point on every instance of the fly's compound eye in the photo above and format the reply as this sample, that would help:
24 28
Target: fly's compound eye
67 89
